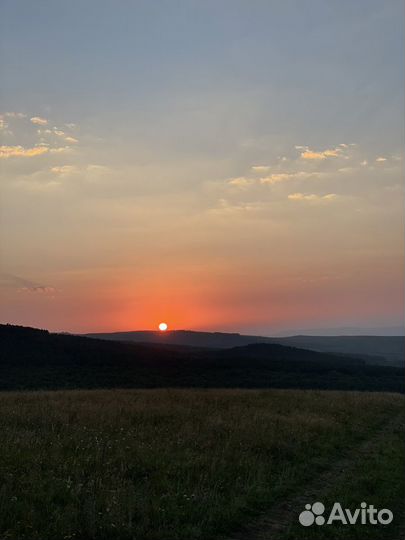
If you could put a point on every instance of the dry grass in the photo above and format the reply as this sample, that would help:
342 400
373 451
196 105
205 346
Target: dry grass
167 464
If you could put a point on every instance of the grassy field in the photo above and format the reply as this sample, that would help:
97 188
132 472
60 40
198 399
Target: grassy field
191 464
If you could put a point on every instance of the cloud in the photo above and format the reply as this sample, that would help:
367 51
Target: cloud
3 123
60 150
227 208
64 169
40 289
241 182
313 197
25 285
39 121
324 154
71 140
261 168
381 159
67 138
283 177
19 151
274 178
44 135
15 115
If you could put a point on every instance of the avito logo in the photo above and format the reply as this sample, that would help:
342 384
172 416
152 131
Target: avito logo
366 514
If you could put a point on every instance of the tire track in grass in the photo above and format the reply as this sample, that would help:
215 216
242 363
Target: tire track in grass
276 523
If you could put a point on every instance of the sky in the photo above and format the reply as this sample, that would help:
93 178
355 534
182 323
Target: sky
218 165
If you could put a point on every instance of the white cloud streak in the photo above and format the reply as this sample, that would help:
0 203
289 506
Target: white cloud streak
38 120
19 151
312 197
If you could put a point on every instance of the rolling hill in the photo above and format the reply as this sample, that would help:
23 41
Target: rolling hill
36 359
384 350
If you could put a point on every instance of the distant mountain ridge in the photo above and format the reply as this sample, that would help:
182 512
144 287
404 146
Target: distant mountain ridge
375 349
32 359
344 331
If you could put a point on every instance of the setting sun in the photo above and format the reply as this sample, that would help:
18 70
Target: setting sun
162 326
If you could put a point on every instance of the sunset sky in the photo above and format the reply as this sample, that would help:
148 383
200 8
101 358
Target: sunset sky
215 164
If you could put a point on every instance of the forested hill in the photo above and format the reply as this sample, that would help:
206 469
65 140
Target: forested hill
384 350
37 359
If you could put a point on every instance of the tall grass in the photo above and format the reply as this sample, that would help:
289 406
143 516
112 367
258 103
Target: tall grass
167 464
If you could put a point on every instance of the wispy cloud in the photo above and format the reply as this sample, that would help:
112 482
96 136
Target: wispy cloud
381 159
274 178
261 168
61 150
241 182
19 115
38 289
320 155
65 137
39 120
64 169
25 285
71 140
286 176
227 208
19 151
313 197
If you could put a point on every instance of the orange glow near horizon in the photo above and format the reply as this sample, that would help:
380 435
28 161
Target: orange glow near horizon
208 297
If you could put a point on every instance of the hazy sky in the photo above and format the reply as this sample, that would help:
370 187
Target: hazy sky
215 164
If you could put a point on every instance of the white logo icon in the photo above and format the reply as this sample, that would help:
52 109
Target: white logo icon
307 517
365 514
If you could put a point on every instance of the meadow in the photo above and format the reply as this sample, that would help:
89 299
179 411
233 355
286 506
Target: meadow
171 464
